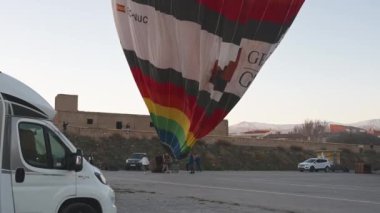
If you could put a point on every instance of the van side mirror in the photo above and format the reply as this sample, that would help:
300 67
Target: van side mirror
76 161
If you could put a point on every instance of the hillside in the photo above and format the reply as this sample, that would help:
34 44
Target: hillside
110 153
368 124
247 126
285 128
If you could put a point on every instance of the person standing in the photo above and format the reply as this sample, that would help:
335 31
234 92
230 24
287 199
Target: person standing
197 160
191 163
145 164
64 125
91 158
166 160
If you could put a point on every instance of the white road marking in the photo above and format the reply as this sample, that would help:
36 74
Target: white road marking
258 191
323 186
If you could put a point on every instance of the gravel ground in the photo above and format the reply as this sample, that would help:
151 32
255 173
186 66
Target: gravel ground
228 191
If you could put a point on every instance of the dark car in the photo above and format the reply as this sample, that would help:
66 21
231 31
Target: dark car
134 161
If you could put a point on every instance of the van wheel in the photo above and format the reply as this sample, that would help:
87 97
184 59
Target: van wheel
327 169
312 169
79 208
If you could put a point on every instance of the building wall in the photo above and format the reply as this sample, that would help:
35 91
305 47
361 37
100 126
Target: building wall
65 102
108 121
67 111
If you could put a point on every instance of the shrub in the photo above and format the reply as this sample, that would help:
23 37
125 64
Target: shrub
296 148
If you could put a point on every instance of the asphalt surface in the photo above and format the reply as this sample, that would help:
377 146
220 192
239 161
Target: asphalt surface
251 191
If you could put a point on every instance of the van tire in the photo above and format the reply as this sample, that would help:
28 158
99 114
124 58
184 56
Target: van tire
79 208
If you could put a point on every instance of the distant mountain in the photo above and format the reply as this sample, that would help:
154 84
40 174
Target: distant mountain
369 124
285 128
248 126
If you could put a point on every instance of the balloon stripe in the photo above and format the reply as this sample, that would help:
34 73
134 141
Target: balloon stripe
236 10
193 111
276 11
169 125
164 136
185 136
230 29
172 132
178 151
176 99
170 113
142 69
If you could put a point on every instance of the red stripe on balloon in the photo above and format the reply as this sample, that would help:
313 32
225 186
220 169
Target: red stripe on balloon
276 11
170 95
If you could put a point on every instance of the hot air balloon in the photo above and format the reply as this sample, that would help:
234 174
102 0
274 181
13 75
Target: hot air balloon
193 60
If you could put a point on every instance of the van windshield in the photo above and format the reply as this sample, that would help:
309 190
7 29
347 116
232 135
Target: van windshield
310 161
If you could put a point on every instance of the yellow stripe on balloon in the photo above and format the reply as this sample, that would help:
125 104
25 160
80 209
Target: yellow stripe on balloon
190 140
169 113
175 115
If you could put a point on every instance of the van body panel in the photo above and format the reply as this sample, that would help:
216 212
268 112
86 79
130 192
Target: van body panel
89 186
2 123
6 197
41 185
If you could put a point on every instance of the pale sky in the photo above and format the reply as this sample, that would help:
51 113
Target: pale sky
327 66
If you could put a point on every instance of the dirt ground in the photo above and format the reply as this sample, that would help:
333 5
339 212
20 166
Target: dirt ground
255 191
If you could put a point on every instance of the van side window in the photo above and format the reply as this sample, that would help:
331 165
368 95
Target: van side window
41 147
33 145
58 151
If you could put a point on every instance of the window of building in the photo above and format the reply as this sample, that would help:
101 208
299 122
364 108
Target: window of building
119 125
151 124
90 121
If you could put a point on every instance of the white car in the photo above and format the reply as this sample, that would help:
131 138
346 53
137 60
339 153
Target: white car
315 164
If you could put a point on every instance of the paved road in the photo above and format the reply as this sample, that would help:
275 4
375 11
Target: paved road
257 191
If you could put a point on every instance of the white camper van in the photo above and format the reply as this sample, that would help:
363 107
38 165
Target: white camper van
41 171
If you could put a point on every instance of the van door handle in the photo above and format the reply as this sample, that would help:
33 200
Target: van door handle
20 175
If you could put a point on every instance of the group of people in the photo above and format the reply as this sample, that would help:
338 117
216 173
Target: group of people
194 163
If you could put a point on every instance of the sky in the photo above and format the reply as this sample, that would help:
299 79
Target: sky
327 67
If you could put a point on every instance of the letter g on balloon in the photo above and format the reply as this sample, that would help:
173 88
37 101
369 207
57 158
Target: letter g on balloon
246 79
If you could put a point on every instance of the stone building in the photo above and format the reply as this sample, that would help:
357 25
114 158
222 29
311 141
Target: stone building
68 113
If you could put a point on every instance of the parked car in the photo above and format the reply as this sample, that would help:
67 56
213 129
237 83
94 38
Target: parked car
315 164
134 161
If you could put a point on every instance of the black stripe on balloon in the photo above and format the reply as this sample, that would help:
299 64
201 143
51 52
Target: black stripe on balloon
213 22
226 102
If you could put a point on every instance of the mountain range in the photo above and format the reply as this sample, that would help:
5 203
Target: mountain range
285 128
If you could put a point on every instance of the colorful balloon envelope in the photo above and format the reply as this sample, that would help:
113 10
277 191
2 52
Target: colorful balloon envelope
193 60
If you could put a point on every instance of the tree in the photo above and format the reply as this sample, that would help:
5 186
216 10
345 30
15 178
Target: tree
311 130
